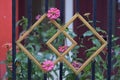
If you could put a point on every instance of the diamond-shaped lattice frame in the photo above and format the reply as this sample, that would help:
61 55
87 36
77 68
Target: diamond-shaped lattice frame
18 42
61 30
61 56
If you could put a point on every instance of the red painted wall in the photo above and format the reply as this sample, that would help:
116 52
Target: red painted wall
5 30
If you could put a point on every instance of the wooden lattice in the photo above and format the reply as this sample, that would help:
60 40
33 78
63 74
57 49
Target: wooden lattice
61 29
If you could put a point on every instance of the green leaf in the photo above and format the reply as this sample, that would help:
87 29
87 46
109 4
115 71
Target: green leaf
115 39
98 29
23 22
96 42
92 49
71 33
117 50
99 76
87 68
48 56
37 48
87 33
70 76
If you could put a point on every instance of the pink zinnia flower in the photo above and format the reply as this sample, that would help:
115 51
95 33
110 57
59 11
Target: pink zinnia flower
7 45
62 49
47 65
38 17
53 13
76 65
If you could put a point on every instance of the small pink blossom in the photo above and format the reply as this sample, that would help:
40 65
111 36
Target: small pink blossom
8 46
53 13
38 17
47 65
62 49
76 65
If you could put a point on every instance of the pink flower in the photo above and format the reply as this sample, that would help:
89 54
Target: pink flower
53 13
47 65
62 49
38 17
76 65
7 45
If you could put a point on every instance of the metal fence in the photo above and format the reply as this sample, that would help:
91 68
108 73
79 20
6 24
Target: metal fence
29 13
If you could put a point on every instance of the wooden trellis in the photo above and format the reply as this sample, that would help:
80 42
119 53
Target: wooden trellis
61 29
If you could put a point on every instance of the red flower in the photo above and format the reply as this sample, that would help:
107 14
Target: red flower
62 49
47 65
53 13
38 17
7 45
76 65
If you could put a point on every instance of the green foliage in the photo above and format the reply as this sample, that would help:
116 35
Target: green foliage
36 44
101 60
